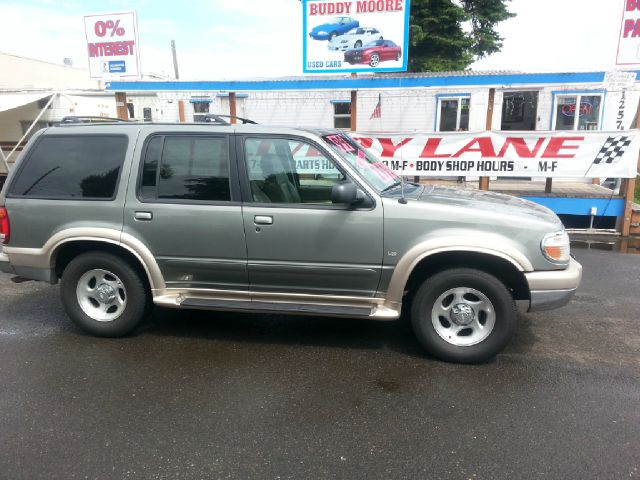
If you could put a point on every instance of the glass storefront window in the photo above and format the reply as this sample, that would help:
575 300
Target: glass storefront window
578 112
454 114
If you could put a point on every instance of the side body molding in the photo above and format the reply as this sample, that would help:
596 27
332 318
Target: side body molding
424 249
43 258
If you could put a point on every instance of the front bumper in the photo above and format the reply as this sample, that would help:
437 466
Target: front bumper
338 48
553 288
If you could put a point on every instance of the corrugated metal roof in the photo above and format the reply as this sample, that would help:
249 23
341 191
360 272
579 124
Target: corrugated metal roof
466 78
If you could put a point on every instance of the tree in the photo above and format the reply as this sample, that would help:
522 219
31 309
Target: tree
451 34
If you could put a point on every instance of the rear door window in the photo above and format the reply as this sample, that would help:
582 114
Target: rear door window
72 167
186 167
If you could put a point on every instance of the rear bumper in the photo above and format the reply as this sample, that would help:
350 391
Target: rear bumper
554 288
5 266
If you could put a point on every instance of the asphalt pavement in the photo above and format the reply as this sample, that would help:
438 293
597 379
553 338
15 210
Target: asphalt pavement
206 395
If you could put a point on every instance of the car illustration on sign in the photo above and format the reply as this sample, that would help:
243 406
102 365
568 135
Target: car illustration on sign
355 38
373 53
333 28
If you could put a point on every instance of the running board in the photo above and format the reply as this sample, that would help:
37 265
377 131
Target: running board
305 309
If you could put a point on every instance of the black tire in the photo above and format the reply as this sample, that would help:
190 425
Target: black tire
424 306
133 290
358 44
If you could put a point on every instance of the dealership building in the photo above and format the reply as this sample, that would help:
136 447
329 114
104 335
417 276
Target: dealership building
405 103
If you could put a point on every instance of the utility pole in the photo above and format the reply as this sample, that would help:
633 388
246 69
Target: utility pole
175 60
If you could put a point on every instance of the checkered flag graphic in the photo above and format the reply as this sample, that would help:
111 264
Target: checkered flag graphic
613 149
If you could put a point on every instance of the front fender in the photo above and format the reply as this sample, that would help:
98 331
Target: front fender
489 244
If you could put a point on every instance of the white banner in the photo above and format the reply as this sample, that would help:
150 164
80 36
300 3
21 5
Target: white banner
587 154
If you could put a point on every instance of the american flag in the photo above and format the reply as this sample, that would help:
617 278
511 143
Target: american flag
377 112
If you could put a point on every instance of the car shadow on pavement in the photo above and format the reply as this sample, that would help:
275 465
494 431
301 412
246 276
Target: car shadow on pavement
32 307
314 331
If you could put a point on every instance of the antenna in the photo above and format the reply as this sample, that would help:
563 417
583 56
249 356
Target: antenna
402 200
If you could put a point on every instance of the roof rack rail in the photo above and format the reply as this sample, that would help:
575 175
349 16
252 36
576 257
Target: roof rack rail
220 119
85 119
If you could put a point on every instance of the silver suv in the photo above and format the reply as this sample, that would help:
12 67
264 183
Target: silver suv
264 219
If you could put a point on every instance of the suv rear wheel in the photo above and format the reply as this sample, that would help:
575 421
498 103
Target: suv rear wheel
103 294
463 315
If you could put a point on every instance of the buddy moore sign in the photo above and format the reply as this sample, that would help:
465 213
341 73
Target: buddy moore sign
535 154
355 35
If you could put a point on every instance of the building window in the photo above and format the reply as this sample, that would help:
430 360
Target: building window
146 112
200 110
453 114
577 111
519 110
131 109
341 114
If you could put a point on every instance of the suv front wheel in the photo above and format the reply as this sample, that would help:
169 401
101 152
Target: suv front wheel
463 315
103 294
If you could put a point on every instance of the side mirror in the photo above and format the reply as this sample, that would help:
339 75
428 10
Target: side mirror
346 193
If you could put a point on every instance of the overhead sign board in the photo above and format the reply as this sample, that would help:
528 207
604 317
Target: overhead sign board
355 35
112 45
629 35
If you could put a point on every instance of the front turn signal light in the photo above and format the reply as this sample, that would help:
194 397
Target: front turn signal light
556 247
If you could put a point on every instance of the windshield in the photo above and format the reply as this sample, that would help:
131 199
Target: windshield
374 172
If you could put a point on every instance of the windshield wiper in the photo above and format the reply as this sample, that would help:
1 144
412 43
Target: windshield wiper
390 187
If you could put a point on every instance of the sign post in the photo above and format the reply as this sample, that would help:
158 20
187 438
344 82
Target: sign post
112 45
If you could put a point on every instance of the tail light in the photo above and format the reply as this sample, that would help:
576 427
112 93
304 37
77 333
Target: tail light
4 226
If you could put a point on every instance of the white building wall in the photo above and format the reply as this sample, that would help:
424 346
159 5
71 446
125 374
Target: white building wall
294 108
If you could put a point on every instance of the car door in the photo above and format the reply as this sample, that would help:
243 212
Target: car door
297 240
185 207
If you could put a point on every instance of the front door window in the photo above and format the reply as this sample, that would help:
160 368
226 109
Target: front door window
289 171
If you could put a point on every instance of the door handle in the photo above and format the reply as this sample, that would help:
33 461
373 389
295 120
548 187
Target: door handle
263 220
143 216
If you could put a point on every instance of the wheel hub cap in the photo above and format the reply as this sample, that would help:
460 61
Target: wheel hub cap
105 293
462 314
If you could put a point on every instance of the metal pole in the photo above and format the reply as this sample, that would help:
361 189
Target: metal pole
175 59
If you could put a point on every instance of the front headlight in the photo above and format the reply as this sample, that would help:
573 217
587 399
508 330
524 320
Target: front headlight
321 32
556 247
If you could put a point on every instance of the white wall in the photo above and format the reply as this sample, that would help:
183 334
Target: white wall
27 73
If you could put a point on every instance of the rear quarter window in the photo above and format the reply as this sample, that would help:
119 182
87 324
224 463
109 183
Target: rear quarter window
72 167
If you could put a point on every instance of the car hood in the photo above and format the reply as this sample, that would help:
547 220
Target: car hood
498 203
360 50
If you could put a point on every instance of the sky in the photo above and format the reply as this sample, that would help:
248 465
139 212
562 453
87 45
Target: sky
232 39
